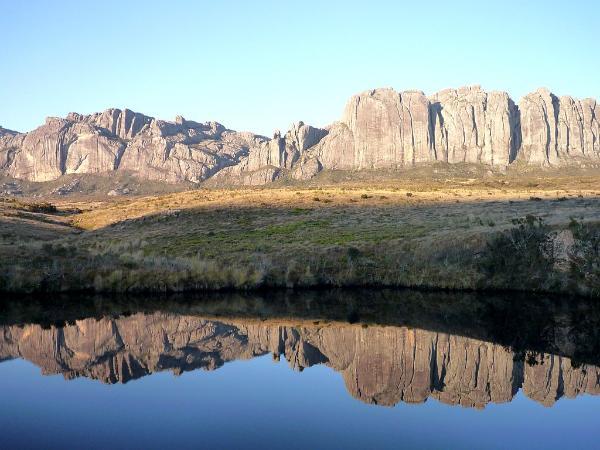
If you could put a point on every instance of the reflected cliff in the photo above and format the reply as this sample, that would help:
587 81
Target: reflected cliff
389 346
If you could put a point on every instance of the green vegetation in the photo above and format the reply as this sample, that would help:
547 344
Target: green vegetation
462 237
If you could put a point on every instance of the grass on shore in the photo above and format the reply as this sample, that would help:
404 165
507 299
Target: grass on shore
525 233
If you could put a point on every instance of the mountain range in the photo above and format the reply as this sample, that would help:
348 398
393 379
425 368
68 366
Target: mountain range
379 129
381 365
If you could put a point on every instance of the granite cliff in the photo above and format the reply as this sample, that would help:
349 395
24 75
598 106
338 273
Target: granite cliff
382 365
122 140
379 129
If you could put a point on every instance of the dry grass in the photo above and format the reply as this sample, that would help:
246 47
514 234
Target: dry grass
412 231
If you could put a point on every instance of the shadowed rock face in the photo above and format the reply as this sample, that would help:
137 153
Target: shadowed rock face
382 365
379 129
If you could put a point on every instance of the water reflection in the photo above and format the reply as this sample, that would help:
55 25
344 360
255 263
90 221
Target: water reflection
389 346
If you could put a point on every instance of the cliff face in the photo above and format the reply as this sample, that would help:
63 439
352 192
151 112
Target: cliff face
557 130
266 160
379 364
379 129
123 140
386 129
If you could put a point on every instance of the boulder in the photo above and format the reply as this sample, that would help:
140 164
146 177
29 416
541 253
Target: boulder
306 169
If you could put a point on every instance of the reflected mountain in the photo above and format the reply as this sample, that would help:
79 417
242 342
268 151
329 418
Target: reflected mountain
389 346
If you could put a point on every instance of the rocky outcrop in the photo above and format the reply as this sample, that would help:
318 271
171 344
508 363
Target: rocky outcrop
385 129
124 124
382 365
270 159
559 130
470 125
123 140
185 150
10 142
389 129
61 146
379 129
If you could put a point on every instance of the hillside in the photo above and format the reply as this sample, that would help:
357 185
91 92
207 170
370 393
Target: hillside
534 231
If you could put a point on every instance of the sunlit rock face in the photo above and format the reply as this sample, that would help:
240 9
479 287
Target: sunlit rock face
389 129
382 365
266 160
378 129
125 124
383 128
180 151
471 125
184 150
559 130
61 146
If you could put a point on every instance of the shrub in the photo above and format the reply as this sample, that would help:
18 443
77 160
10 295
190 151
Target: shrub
353 253
42 207
584 258
520 258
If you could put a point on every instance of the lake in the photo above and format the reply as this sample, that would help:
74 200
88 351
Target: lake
315 369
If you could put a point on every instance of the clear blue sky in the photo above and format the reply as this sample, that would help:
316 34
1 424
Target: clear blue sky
260 65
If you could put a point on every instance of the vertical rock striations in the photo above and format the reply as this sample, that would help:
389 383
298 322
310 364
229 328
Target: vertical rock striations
386 129
558 130
470 125
379 129
266 160
382 365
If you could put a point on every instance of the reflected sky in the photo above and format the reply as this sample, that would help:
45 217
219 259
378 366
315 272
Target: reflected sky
326 391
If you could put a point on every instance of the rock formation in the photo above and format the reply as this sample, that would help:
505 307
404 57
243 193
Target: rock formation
123 140
379 129
184 150
559 130
266 160
470 125
382 365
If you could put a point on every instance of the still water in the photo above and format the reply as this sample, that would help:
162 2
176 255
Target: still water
322 369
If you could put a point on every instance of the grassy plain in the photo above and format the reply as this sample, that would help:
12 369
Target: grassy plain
437 228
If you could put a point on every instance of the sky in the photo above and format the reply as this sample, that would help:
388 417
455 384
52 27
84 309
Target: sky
262 65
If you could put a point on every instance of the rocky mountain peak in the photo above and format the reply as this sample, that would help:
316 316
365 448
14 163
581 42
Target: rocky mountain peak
379 129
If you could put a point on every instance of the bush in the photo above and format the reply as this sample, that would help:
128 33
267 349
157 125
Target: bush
584 258
42 207
520 258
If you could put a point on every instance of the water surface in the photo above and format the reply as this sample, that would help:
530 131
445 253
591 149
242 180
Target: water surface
323 369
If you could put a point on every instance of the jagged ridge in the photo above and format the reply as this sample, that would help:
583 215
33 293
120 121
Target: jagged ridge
379 364
380 128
